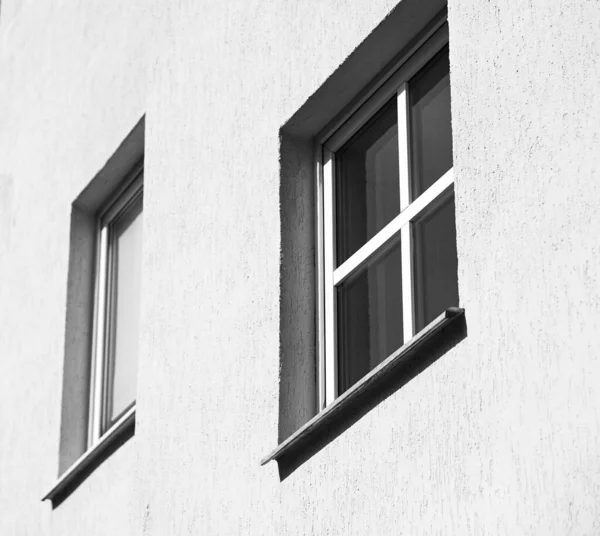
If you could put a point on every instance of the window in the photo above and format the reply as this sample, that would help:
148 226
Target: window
102 317
388 262
117 309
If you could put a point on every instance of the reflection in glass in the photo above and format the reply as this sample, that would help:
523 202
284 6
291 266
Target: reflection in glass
126 278
369 317
435 262
366 185
431 139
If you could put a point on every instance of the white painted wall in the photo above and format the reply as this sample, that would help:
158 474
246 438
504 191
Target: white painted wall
499 436
72 85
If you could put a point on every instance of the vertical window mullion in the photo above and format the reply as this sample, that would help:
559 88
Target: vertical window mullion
403 145
405 232
331 366
95 426
407 282
110 323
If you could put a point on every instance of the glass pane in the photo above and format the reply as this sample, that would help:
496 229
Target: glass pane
369 317
431 130
436 264
127 264
366 187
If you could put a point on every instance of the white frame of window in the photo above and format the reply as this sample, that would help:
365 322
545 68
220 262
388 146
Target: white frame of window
328 276
130 193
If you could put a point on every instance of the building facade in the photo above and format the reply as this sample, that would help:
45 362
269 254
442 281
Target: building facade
477 413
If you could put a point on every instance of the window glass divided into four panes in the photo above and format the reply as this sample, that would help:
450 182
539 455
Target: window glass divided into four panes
399 187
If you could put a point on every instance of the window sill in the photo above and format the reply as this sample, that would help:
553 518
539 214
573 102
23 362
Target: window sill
116 435
346 404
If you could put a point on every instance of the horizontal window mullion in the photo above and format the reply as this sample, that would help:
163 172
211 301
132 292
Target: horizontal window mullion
437 190
378 244
390 232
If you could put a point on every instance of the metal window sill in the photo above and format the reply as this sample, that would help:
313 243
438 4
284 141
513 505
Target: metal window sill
83 466
369 384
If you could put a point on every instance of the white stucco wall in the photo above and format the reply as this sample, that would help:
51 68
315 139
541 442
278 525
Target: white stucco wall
499 436
72 85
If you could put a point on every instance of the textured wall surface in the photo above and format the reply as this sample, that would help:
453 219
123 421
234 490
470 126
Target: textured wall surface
526 134
499 436
72 85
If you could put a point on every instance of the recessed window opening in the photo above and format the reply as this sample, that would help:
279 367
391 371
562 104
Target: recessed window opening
117 311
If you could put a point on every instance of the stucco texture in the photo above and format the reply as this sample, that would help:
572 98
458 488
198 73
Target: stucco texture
499 436
72 85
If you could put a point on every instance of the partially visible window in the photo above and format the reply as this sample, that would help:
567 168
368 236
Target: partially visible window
117 309
101 343
389 257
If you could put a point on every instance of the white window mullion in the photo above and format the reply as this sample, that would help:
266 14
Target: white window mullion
366 118
95 427
331 368
319 232
407 283
385 237
405 232
110 326
403 148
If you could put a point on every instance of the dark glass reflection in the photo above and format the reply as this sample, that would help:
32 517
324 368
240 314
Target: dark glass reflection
369 317
431 130
435 263
367 191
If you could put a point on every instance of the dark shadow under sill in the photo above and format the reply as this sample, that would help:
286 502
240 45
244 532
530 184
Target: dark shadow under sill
433 341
